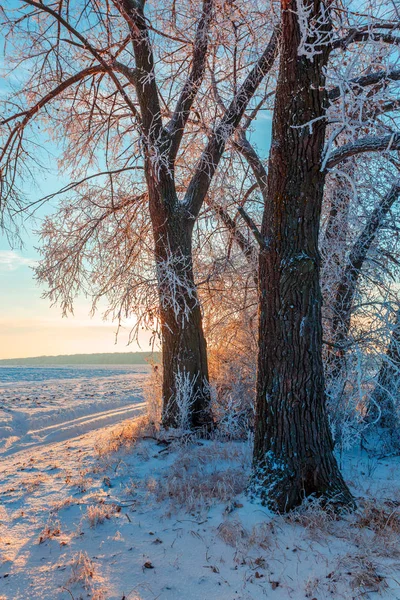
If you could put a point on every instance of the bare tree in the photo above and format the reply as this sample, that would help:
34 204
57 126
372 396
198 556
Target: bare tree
342 308
114 76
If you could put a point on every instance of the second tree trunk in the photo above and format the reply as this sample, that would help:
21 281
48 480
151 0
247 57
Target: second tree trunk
293 452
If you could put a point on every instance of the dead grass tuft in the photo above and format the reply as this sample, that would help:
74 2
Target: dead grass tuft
98 513
50 532
80 481
83 570
379 518
58 505
364 574
317 519
125 435
197 491
262 535
152 392
202 476
232 532
32 482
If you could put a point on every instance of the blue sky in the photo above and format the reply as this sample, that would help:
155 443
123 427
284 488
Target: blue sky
28 325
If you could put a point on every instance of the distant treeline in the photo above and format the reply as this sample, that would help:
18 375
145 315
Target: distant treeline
114 358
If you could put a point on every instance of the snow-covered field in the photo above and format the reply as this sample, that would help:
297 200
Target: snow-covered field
85 514
49 404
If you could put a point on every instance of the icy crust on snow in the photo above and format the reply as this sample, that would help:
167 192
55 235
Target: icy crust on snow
71 401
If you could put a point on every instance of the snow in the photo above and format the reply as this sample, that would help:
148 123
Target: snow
171 520
43 405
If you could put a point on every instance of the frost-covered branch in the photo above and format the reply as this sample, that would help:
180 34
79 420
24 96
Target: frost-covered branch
181 113
370 143
364 81
211 155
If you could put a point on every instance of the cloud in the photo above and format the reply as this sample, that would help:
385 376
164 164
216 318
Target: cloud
11 261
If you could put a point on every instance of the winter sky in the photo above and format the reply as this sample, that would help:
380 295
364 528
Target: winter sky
29 326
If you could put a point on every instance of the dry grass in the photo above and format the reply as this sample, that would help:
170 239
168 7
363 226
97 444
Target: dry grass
365 575
125 436
128 433
32 482
262 536
232 532
201 476
80 481
83 570
58 505
51 531
83 573
198 491
317 519
152 392
379 518
100 594
98 513
378 526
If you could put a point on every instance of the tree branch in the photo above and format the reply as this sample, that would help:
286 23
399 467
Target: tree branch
369 143
242 144
180 117
215 147
252 226
31 112
107 68
145 82
347 286
357 35
245 246
364 81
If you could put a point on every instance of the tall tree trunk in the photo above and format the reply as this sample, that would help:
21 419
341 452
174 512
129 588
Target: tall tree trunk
293 450
186 394
333 251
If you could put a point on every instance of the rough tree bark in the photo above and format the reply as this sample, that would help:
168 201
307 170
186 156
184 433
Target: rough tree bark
293 450
185 367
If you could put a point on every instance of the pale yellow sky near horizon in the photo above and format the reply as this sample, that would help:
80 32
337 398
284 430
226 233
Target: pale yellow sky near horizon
37 337
30 327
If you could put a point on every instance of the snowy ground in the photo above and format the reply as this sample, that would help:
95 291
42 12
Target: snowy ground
90 517
43 405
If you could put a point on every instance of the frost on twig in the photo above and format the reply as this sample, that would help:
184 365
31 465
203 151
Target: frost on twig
314 32
157 151
184 398
177 290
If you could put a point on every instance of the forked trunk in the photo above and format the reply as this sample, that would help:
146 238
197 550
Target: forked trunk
293 452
